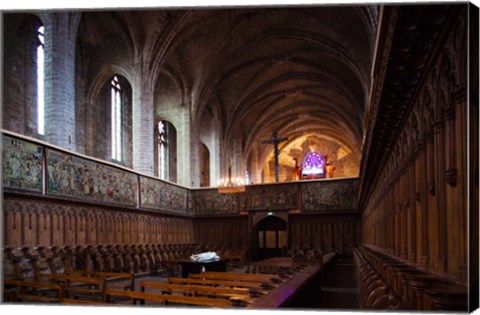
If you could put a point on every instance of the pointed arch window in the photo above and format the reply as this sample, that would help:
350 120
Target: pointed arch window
40 81
165 150
162 152
116 103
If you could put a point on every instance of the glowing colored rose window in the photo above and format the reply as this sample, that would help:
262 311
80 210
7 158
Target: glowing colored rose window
313 164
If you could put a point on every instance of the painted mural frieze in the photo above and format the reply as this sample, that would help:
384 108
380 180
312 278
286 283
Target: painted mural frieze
156 194
272 197
330 195
211 202
22 164
75 177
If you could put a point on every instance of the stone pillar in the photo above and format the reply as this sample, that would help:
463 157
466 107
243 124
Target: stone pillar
256 175
238 164
192 179
187 157
143 120
60 35
215 156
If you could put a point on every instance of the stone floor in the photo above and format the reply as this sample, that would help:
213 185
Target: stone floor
336 290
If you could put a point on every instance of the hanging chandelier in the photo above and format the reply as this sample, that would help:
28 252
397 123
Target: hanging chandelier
231 185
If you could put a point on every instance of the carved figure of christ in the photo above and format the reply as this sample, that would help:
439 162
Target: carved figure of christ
275 140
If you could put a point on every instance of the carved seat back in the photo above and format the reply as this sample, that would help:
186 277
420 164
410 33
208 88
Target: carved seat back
79 258
25 269
8 263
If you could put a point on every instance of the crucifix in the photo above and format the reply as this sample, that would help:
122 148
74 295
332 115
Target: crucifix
275 140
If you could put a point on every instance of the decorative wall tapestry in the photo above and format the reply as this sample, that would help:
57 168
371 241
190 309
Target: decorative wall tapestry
337 195
149 193
275 197
22 164
71 176
156 194
173 198
211 202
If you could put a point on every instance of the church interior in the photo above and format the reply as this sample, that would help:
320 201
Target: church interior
273 157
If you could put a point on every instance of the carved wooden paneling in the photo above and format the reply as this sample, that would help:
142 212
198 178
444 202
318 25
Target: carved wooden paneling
419 205
57 227
13 227
70 227
44 227
81 227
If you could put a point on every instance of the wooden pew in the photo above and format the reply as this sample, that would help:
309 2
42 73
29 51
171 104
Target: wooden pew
83 302
267 279
165 299
91 286
254 288
238 295
125 281
23 294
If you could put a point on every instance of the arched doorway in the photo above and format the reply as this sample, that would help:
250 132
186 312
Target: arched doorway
270 238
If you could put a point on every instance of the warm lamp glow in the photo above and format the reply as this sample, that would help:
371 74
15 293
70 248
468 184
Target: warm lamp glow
231 185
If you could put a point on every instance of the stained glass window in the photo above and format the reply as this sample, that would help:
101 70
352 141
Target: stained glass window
40 79
116 99
162 156
313 164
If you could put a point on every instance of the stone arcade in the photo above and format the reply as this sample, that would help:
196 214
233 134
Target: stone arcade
119 125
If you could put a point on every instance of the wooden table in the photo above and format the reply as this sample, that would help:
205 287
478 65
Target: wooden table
198 267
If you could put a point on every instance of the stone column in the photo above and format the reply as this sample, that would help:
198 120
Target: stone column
186 157
256 175
192 178
143 119
238 164
60 35
215 156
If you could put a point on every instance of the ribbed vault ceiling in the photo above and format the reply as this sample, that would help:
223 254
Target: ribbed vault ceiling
298 70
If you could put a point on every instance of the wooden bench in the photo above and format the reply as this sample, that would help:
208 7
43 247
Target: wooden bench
165 299
237 295
93 287
127 280
266 279
234 260
83 302
23 294
254 288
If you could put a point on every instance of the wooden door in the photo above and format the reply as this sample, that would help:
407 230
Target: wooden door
271 238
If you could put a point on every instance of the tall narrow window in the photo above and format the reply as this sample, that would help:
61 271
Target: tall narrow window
162 141
116 102
40 82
